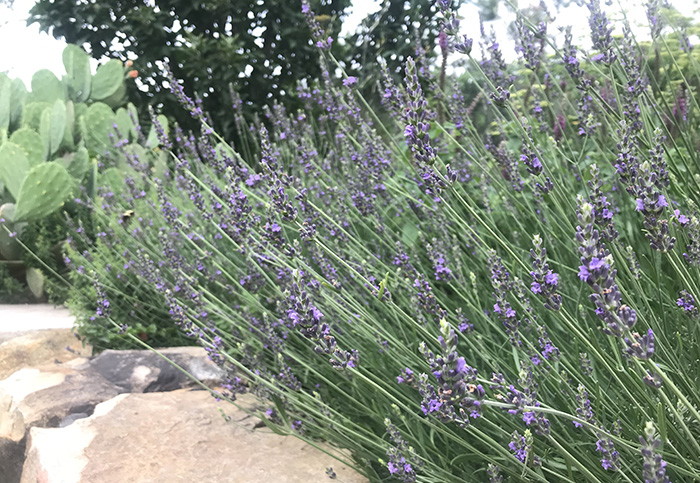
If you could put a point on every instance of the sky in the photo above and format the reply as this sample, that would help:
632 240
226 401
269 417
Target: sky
30 50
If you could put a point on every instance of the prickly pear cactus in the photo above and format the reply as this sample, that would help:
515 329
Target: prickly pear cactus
35 281
30 141
78 75
44 190
99 120
10 249
77 164
31 115
14 166
107 80
5 96
53 127
46 87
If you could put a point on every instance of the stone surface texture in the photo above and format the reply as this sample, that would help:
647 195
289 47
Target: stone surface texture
129 416
172 437
37 348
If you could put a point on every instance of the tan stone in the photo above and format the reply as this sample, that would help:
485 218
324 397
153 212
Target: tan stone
173 437
37 348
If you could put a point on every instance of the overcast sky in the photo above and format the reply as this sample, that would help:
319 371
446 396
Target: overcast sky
25 50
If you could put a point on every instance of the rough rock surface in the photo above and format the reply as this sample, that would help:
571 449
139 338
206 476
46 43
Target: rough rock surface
173 437
56 395
37 348
43 397
146 371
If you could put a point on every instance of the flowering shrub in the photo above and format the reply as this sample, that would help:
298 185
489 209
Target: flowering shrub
447 301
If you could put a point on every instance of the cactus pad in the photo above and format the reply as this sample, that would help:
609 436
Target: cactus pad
79 77
46 87
107 79
44 190
31 143
14 166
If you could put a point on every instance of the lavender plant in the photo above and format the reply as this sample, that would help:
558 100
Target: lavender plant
425 299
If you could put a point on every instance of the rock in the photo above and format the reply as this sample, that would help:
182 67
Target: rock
60 394
38 348
146 371
173 437
44 397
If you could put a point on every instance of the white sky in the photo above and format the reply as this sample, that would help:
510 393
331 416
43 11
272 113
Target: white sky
25 50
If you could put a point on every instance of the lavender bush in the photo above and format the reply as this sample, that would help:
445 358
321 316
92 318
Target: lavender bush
444 300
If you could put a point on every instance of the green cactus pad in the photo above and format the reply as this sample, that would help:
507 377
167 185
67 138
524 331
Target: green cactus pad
45 131
76 164
44 190
77 64
113 179
35 280
30 141
91 182
79 109
53 126
124 123
118 98
152 140
5 95
68 141
31 116
10 249
107 79
46 87
7 212
134 117
98 121
17 101
14 167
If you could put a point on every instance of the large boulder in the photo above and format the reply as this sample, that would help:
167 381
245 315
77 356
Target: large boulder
147 371
44 397
58 394
173 437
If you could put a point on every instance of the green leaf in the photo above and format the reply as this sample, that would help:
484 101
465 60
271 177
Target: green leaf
17 101
14 166
35 280
77 64
152 140
107 79
5 95
30 141
44 190
46 87
31 115
57 126
77 163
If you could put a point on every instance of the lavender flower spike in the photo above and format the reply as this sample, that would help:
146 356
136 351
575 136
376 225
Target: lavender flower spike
654 469
544 280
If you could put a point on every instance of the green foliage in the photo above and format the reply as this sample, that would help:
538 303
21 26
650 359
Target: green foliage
45 157
209 44
14 167
44 190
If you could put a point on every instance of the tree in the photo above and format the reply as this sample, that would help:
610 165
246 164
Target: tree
261 47
392 33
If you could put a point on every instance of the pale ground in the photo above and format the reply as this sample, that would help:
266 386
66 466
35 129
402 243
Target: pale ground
23 318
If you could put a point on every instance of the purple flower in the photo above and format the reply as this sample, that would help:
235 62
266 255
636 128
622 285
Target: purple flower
654 467
350 81
682 219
